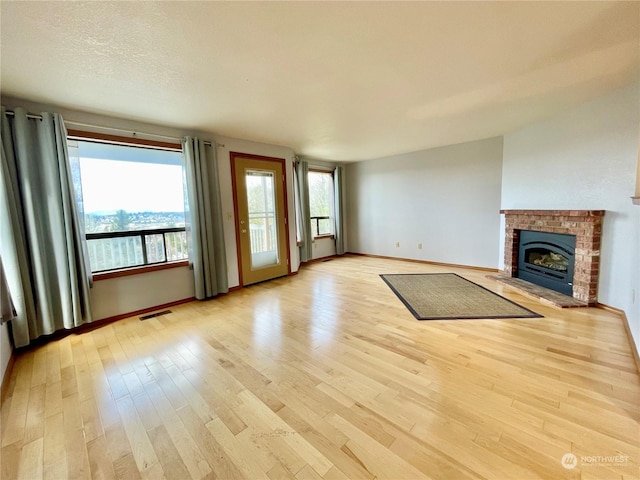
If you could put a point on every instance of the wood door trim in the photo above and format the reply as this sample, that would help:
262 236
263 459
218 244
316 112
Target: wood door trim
282 161
232 157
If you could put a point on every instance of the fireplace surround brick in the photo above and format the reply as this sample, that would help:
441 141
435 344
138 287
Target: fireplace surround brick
586 225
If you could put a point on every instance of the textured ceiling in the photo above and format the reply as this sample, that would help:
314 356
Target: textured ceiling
333 80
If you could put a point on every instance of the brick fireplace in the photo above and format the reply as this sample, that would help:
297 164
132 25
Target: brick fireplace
586 225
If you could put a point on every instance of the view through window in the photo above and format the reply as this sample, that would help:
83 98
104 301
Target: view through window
133 204
321 203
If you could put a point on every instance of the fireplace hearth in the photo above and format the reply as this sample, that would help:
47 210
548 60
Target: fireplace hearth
584 225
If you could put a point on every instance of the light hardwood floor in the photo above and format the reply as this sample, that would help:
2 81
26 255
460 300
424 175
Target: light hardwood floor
326 375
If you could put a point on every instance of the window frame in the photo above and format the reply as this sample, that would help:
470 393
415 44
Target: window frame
331 217
81 135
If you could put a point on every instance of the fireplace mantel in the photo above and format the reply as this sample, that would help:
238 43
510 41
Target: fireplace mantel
556 213
586 225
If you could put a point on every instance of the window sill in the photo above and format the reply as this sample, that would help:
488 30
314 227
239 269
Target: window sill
126 272
324 236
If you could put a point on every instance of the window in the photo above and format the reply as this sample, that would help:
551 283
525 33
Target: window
133 203
321 203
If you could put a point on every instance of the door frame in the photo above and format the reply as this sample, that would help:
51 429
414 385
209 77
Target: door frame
236 220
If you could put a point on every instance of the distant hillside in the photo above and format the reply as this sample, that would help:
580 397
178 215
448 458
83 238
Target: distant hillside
123 221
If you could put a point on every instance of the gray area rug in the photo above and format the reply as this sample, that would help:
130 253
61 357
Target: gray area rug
447 296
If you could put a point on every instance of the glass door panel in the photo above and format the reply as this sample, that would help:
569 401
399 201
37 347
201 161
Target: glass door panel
262 218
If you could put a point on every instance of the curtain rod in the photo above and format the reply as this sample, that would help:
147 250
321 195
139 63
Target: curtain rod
131 132
11 113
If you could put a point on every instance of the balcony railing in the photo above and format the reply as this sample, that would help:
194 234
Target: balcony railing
134 248
262 229
321 226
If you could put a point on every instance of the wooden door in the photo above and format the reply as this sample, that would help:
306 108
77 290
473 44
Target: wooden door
261 217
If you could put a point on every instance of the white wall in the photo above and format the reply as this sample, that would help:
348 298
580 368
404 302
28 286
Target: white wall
116 296
323 247
446 198
585 159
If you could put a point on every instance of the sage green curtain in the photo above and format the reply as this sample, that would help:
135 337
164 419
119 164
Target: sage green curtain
41 233
338 180
296 203
204 221
7 310
306 238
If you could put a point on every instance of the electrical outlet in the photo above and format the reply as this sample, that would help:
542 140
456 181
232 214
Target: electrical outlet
397 244
419 246
633 296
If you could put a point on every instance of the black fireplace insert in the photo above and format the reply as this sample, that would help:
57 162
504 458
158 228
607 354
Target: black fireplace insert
547 259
